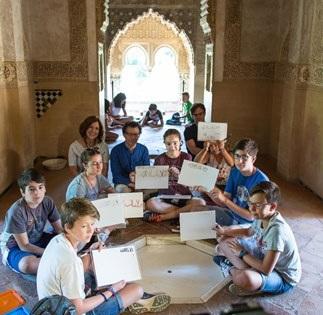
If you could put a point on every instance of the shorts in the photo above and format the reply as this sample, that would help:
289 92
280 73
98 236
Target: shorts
113 306
274 283
15 254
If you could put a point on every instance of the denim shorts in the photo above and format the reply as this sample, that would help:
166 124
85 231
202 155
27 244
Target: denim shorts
274 283
113 306
16 254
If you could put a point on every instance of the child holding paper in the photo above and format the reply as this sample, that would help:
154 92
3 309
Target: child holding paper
63 274
90 183
165 209
216 155
265 258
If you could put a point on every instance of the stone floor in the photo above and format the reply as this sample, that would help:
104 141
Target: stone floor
302 208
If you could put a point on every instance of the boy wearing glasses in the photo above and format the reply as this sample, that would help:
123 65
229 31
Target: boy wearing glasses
263 258
232 207
23 238
126 156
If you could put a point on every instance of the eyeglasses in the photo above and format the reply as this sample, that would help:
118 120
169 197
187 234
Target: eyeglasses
239 157
257 205
132 134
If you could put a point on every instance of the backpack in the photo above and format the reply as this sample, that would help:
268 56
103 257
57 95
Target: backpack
54 305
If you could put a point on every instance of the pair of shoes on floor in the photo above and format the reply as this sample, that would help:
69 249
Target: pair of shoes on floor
176 229
239 291
153 217
150 303
224 263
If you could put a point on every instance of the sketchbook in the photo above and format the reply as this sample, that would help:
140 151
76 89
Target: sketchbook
115 264
197 225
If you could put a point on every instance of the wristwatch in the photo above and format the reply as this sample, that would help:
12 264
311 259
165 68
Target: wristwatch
242 253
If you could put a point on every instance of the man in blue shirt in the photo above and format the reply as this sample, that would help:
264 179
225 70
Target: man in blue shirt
126 156
232 207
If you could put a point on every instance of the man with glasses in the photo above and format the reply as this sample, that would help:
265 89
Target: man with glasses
190 133
232 204
126 156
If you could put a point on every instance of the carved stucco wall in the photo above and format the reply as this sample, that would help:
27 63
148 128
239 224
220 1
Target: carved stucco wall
151 33
272 82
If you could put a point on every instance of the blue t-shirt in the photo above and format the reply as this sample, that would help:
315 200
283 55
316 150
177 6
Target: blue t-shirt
240 186
124 161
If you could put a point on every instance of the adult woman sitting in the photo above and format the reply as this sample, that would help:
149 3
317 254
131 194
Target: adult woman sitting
91 131
164 208
90 184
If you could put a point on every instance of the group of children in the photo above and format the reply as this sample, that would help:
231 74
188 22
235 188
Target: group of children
256 245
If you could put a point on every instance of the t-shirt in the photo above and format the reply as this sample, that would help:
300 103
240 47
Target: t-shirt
124 161
190 132
76 149
173 186
61 274
20 218
156 117
278 236
79 187
239 187
187 111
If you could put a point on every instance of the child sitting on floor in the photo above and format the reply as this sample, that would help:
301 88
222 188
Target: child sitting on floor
165 209
265 259
153 117
23 239
65 274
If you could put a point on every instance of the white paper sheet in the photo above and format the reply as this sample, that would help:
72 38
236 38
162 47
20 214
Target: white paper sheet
152 177
115 264
197 225
111 211
132 204
211 131
196 174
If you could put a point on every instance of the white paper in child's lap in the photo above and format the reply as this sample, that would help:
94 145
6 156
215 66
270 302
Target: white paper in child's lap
152 177
132 204
115 264
111 211
197 225
197 174
211 131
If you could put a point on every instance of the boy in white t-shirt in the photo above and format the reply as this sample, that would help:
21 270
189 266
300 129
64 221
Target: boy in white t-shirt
61 270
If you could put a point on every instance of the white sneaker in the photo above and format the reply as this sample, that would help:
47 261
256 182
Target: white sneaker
150 303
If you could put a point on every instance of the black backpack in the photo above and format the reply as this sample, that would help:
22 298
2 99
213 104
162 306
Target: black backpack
54 305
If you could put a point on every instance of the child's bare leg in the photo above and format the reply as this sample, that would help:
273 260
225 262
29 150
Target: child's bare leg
29 264
131 293
247 279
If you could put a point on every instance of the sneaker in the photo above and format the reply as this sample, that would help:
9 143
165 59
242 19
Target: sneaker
153 217
237 290
150 303
224 264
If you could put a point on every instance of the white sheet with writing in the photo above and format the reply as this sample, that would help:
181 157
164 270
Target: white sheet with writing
115 264
132 204
196 174
211 131
152 177
197 225
111 211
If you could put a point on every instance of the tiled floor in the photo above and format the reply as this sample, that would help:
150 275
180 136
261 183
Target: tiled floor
302 208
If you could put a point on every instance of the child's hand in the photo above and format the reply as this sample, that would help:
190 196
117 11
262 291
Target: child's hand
173 171
132 176
235 247
220 231
217 194
200 189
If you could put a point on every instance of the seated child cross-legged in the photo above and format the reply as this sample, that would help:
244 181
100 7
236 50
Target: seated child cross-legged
263 258
23 239
165 209
231 205
65 274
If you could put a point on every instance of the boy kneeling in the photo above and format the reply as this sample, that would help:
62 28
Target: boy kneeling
265 259
61 270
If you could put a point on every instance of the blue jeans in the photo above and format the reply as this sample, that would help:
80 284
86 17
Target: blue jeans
274 283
